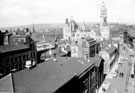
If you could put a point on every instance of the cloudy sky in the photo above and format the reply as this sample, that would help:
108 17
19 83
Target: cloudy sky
20 12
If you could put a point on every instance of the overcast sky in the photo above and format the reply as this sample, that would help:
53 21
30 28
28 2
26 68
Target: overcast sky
20 12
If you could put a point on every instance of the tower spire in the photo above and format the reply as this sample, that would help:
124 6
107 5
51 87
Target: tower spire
105 33
103 14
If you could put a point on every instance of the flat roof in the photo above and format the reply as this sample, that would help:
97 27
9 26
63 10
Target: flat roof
6 84
47 77
75 65
110 49
12 47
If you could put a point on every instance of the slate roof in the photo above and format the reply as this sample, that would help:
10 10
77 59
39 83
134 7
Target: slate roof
6 84
75 65
89 39
12 47
105 43
131 33
45 78
8 33
97 61
111 49
19 36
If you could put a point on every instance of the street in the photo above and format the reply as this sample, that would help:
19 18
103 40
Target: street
120 84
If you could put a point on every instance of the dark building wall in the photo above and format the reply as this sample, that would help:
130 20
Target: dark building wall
87 82
13 40
100 74
1 38
115 53
125 37
128 39
90 48
73 86
20 39
16 60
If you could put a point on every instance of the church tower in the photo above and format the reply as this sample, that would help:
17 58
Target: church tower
104 27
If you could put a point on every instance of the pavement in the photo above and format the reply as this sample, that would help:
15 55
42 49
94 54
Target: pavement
119 84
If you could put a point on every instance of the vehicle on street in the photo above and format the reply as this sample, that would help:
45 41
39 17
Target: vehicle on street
121 74
115 74
105 87
120 63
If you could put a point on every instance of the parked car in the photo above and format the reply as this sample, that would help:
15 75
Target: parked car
105 87
115 74
121 74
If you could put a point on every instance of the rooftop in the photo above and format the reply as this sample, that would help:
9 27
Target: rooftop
75 65
19 36
131 32
12 47
110 49
47 77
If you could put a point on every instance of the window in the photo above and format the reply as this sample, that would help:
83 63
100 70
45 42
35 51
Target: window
7 60
20 58
1 62
16 59
86 83
11 60
23 57
92 78
33 54
27 56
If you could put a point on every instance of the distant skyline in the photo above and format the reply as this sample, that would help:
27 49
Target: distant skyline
21 12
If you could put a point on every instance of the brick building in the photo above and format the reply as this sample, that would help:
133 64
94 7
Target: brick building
15 57
90 47
49 36
19 39
110 54
86 47
67 75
